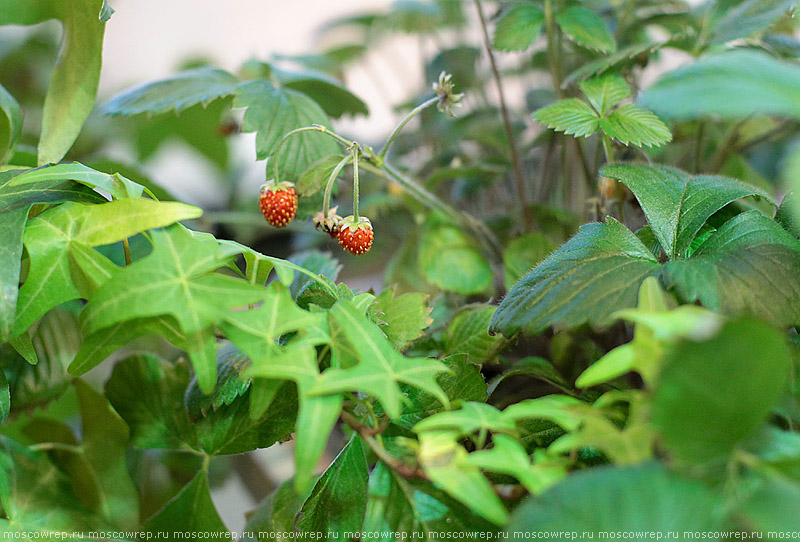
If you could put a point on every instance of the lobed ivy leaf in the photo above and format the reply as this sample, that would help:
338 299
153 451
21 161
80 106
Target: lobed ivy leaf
471 417
633 125
10 123
518 27
174 94
748 266
594 274
380 368
51 237
676 203
272 113
571 116
75 77
338 502
586 28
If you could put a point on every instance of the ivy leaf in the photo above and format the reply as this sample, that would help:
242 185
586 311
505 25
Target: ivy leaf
104 444
145 390
737 269
594 274
397 505
588 504
467 334
176 279
471 417
338 502
586 28
34 509
571 116
10 123
402 317
190 511
715 393
634 125
676 203
273 112
733 84
517 28
380 366
522 254
174 94
73 83
443 249
746 18
274 517
15 202
51 237
605 92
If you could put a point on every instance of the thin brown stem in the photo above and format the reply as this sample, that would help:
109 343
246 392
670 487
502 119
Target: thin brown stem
519 180
367 435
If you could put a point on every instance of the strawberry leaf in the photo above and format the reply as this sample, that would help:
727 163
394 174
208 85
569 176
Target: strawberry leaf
633 125
517 28
587 29
571 116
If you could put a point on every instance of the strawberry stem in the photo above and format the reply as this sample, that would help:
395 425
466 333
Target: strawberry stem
326 201
402 124
355 182
313 128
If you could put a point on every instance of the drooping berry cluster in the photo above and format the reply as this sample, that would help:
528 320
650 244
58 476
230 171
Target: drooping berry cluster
278 203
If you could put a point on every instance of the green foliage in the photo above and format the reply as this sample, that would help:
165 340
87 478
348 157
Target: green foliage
585 28
10 123
518 27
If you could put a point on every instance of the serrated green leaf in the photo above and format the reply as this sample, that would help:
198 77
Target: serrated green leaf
517 28
451 260
334 99
522 254
605 92
713 394
468 334
174 94
571 116
738 270
402 317
594 274
676 203
338 502
381 368
733 84
605 62
748 17
273 112
145 391
586 28
316 176
50 237
10 123
190 511
636 126
588 504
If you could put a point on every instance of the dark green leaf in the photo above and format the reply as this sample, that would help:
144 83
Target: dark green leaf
338 502
518 28
586 28
714 394
316 176
676 203
748 17
522 254
10 123
5 397
198 86
450 260
334 99
274 518
468 333
594 274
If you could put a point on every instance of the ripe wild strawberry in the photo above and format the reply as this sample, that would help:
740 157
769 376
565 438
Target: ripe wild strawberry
355 236
278 202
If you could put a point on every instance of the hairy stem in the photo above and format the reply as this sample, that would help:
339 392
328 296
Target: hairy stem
313 128
519 181
326 200
355 182
366 433
397 129
608 148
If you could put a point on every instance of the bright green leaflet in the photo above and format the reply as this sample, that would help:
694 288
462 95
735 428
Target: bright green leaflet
273 112
175 94
633 125
449 259
750 265
338 502
587 29
10 123
605 92
50 238
571 116
381 368
73 84
676 203
713 394
401 317
118 186
620 499
190 511
594 274
517 28
471 417
313 179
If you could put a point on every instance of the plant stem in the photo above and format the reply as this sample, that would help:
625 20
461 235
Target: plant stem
313 128
355 182
401 125
326 200
519 181
365 432
126 247
608 148
626 15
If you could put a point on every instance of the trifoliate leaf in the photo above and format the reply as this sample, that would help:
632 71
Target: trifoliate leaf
605 92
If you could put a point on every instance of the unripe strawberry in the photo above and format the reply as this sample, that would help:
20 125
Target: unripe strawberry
356 236
278 202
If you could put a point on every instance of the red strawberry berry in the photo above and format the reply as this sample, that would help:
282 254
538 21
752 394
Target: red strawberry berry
278 202
355 236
